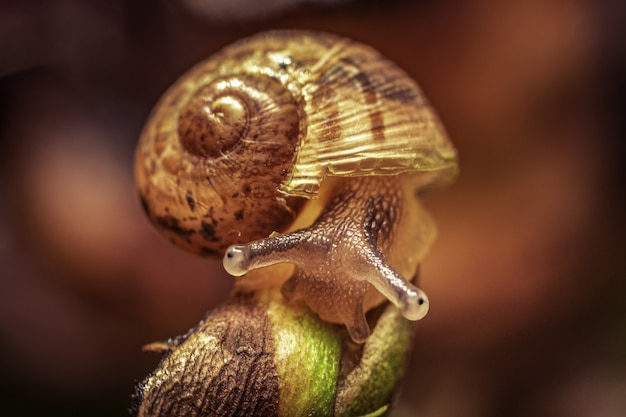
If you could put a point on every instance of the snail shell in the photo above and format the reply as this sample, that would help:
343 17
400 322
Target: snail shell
237 147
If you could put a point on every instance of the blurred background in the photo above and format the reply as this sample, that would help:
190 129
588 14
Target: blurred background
527 279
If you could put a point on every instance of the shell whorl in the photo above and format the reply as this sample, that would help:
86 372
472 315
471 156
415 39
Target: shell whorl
215 118
212 156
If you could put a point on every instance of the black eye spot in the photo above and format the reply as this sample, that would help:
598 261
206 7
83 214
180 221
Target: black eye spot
229 254
420 301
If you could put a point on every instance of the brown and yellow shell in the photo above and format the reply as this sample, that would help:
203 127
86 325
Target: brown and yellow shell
239 143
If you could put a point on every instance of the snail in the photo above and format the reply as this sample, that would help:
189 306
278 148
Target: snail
300 148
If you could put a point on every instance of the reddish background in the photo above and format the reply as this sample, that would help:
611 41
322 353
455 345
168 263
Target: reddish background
526 281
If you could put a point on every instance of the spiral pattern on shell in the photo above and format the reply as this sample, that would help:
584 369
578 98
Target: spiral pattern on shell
202 170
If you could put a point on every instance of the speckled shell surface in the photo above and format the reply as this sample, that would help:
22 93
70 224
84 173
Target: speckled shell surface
286 109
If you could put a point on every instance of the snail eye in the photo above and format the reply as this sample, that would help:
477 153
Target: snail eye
236 260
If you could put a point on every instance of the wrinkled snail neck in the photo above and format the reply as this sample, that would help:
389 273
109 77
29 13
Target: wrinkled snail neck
347 242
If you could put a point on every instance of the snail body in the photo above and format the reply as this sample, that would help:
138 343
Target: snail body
236 150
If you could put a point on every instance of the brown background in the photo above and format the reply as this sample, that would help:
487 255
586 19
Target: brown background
526 281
